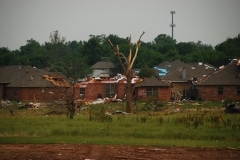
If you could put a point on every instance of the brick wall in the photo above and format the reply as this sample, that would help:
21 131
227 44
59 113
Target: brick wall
92 90
120 90
35 93
210 93
164 93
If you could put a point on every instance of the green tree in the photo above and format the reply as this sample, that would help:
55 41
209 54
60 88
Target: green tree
147 72
5 56
230 47
32 54
167 46
94 49
56 46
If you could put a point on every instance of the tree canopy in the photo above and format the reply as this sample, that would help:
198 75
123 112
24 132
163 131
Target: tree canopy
75 58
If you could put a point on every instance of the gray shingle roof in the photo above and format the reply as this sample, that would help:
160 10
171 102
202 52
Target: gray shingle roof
172 66
229 75
152 82
24 76
198 71
103 65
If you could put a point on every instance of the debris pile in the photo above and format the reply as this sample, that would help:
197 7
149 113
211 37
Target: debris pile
6 104
57 81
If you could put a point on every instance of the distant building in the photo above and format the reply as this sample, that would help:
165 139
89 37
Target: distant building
103 69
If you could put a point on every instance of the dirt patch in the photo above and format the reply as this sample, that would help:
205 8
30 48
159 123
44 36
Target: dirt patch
111 152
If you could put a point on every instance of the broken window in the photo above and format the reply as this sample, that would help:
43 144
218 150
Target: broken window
82 92
110 90
220 90
238 90
152 92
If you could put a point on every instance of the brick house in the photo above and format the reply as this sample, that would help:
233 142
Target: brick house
184 78
94 88
153 88
26 83
222 84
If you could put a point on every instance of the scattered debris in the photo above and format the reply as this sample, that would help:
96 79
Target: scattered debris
30 105
114 99
98 101
57 81
232 108
118 112
7 104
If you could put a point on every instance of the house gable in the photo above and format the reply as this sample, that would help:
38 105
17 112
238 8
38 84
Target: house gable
222 84
228 75
103 69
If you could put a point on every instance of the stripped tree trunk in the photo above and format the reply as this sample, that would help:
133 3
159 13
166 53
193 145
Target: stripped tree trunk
127 64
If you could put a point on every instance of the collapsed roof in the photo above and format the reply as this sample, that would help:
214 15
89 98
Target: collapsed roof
227 75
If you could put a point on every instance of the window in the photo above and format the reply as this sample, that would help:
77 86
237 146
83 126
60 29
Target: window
109 90
82 92
152 92
220 90
238 90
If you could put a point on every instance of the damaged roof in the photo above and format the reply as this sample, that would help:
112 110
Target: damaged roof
188 72
152 82
172 66
57 80
228 75
27 76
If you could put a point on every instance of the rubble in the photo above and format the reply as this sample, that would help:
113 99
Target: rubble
232 108
57 81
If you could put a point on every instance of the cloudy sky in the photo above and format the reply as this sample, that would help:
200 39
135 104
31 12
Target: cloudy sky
209 21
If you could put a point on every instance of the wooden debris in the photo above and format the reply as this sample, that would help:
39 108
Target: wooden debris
57 81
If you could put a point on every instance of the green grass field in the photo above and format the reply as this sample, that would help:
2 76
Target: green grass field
201 125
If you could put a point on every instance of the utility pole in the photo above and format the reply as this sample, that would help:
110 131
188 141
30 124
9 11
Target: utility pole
172 25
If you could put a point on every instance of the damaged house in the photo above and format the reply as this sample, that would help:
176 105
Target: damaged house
222 84
185 77
26 83
94 88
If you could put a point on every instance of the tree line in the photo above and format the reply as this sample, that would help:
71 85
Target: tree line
75 58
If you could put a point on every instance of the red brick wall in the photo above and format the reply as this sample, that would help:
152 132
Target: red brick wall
164 93
93 89
34 93
120 90
210 93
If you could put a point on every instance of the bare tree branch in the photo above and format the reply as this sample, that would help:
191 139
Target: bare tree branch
136 51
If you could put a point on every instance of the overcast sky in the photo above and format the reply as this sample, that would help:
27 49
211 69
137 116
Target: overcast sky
209 21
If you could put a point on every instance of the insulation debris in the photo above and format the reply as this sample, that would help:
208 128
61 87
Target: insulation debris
57 81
